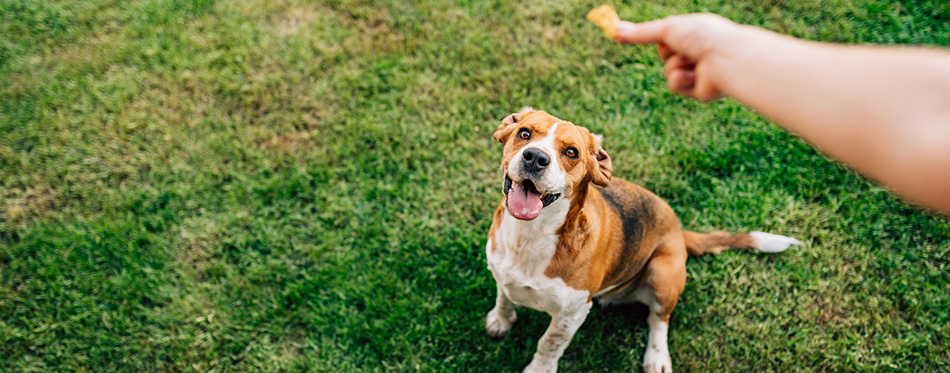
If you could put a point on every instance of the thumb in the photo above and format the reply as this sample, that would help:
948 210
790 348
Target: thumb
641 33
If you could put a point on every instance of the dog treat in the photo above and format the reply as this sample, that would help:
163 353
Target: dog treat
606 17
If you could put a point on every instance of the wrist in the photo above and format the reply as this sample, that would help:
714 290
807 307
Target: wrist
740 52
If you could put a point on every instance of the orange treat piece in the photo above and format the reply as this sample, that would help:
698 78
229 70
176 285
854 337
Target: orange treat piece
606 17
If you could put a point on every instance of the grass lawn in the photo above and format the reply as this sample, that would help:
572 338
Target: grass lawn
194 185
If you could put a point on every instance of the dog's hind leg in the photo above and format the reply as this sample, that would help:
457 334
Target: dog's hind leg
663 281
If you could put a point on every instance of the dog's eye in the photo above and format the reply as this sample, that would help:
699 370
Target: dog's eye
570 153
524 134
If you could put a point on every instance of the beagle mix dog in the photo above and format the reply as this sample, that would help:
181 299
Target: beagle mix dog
566 234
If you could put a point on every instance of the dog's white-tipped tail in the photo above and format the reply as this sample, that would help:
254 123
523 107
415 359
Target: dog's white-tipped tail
772 243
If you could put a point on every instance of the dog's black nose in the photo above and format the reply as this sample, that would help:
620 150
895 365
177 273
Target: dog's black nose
535 160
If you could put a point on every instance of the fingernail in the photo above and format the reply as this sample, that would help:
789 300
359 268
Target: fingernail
624 27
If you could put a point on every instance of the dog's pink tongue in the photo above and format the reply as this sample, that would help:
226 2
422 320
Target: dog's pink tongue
523 204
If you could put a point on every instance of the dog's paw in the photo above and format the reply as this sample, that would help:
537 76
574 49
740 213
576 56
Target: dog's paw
656 361
498 325
541 366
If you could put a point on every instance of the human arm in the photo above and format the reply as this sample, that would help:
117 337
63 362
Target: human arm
884 111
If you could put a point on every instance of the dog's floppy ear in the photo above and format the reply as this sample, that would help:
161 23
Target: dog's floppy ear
508 126
600 164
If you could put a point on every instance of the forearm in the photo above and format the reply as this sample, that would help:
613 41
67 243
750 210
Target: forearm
883 111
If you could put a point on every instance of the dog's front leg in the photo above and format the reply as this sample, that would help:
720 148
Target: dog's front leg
499 319
556 338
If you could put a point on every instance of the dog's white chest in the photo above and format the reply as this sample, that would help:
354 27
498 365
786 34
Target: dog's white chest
522 254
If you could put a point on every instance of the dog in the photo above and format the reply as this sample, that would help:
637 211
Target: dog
566 233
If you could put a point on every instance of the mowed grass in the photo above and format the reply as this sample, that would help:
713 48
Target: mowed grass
251 186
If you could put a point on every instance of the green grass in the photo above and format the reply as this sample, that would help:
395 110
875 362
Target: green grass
244 186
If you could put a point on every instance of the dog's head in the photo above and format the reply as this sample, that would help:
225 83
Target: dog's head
547 159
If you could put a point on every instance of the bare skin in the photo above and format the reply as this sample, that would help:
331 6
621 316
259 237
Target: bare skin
884 111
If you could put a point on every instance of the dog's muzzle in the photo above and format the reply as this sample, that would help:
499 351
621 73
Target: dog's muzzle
524 200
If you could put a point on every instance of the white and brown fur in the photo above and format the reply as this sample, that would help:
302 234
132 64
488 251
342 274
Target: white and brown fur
604 238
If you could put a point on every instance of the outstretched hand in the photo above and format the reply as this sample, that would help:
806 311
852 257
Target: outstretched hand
881 110
689 46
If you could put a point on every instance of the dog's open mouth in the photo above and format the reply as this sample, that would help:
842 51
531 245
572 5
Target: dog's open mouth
524 200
